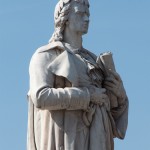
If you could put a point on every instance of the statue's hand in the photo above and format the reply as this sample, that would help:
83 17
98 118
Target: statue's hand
97 95
114 84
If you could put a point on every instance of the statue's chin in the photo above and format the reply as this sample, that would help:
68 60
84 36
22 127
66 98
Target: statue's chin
85 32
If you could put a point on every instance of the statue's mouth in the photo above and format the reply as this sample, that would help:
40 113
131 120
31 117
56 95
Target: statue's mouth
86 25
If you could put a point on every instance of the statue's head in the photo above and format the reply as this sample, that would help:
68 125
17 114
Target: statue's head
73 14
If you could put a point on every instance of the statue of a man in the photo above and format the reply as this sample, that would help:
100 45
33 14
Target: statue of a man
70 102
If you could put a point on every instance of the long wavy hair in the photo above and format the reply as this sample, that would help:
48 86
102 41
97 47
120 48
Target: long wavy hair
61 16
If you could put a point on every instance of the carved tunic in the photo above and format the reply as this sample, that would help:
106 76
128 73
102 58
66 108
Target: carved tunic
59 101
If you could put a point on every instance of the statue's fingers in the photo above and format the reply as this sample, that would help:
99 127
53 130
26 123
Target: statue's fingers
110 89
115 74
106 83
111 79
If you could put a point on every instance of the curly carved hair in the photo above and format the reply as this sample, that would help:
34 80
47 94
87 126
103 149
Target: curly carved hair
61 15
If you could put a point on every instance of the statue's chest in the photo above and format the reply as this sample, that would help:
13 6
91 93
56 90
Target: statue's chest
89 72
82 77
82 71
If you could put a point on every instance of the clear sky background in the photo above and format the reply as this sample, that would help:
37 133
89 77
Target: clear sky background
120 26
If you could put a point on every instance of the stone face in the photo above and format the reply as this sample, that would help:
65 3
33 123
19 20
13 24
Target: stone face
76 100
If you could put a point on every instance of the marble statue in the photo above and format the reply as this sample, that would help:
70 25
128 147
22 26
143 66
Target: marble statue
76 102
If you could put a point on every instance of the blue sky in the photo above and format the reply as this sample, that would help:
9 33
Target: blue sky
122 27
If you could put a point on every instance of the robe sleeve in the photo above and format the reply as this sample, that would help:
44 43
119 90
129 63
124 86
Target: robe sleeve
42 91
119 119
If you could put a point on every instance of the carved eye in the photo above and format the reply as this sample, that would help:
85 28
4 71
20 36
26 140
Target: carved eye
80 13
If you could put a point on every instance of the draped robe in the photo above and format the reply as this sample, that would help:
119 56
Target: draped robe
59 103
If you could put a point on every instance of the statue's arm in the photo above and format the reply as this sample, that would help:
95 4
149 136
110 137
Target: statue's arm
42 91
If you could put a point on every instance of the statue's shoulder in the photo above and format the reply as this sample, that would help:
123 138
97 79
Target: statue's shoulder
47 53
51 47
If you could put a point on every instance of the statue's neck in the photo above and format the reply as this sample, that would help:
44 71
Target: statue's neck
72 38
